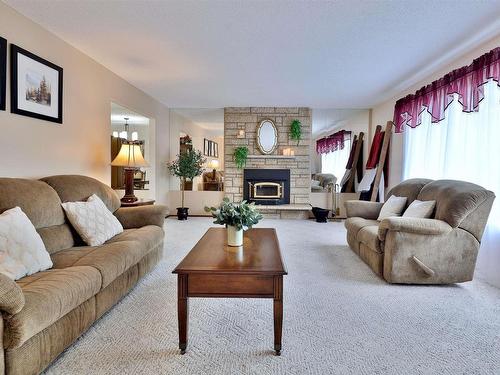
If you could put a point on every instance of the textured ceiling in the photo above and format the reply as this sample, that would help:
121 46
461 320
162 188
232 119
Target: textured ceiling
207 54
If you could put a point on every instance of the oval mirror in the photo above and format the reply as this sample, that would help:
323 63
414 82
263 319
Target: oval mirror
267 136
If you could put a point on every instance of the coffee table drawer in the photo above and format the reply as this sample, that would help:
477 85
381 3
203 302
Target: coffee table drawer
230 285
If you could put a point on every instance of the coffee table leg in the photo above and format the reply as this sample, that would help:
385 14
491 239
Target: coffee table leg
182 311
278 312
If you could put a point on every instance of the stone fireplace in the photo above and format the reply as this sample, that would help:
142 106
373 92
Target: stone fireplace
266 186
245 120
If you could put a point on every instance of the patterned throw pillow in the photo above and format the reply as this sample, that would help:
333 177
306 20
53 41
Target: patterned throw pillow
22 251
92 220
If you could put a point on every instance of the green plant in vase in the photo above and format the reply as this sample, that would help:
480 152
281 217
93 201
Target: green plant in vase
296 130
187 166
240 156
237 217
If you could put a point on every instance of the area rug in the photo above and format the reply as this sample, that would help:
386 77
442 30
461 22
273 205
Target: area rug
339 318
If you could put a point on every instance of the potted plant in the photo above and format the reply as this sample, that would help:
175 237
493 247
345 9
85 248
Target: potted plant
240 156
237 217
188 165
296 130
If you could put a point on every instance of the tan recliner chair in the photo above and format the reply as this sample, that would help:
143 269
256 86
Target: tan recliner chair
440 250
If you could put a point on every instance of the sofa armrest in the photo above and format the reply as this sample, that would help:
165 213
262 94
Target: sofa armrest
136 217
364 209
413 225
11 295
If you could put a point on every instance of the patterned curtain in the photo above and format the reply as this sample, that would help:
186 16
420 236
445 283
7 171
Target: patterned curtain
468 82
333 142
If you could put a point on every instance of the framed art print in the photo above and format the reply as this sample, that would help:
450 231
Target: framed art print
36 86
3 72
205 146
210 148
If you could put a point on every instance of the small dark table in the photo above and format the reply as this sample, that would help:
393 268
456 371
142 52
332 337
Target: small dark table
213 269
140 202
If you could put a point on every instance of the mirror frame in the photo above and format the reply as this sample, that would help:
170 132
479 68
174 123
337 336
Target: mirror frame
275 145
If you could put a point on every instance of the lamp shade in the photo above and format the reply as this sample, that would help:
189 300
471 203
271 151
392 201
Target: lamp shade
130 156
213 164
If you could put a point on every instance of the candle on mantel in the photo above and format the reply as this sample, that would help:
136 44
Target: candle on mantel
292 152
286 152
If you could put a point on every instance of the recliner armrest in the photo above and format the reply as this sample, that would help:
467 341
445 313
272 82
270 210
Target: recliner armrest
413 225
11 296
364 209
137 217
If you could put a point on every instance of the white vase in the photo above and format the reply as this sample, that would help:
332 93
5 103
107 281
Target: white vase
234 236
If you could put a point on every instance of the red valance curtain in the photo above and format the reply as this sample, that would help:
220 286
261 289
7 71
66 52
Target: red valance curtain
333 142
466 81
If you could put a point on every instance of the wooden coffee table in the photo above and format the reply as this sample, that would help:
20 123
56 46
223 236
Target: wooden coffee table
213 269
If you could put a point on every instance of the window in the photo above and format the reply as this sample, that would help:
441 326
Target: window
335 162
463 146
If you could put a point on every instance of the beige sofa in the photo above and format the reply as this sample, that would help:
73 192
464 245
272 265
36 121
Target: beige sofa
44 313
439 250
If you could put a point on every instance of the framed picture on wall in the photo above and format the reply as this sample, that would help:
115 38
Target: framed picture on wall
36 86
210 148
205 146
3 72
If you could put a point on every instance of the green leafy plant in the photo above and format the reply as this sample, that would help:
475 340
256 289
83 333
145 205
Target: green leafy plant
187 166
240 156
296 130
241 215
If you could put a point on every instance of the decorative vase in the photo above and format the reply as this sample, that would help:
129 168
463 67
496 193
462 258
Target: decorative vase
234 236
182 213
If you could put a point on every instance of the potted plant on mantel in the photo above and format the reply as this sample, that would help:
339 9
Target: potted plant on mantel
188 165
237 217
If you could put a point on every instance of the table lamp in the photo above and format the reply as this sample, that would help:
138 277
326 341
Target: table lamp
213 164
130 157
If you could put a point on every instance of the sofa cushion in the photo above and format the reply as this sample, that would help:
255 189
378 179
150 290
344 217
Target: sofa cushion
354 224
369 236
149 236
72 188
409 189
111 259
454 199
49 295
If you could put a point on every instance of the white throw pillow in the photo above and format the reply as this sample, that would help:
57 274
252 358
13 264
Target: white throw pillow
420 209
22 251
314 183
394 206
92 220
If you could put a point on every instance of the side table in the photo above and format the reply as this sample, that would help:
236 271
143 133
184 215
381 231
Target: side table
140 202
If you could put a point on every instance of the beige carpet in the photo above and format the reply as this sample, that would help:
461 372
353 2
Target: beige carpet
340 318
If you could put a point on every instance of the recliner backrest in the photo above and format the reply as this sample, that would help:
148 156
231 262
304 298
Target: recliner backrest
461 204
73 188
42 206
410 189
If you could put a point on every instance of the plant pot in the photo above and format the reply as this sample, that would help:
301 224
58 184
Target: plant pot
320 214
182 213
234 236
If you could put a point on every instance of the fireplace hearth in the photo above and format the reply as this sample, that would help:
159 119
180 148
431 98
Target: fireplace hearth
266 186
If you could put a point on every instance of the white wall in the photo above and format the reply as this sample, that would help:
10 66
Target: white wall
33 148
